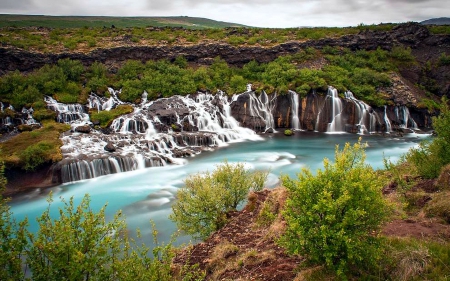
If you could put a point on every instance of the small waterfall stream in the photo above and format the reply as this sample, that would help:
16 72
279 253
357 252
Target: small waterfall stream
294 110
365 115
387 121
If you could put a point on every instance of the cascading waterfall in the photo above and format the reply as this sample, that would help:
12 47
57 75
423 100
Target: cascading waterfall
260 107
366 117
68 113
294 110
136 144
404 118
335 104
102 103
387 121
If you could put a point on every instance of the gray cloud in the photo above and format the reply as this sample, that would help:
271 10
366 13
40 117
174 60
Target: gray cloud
264 13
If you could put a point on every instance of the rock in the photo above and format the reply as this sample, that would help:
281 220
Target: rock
288 132
110 147
86 129
269 131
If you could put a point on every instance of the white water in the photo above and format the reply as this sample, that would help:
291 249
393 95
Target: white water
136 142
294 110
387 121
260 107
366 117
404 118
334 102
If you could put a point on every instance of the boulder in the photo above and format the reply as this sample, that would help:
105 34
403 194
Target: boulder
110 147
86 129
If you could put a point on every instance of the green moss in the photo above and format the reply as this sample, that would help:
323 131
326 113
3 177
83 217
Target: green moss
28 150
106 117
288 132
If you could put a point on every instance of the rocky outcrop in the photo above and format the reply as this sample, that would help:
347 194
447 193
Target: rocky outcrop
411 35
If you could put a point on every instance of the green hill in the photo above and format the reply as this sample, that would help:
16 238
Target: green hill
94 21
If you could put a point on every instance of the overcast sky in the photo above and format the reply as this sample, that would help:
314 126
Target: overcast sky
261 13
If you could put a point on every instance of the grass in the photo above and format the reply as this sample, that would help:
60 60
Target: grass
32 148
82 34
118 22
106 117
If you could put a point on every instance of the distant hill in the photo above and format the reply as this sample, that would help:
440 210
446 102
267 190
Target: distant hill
94 21
437 21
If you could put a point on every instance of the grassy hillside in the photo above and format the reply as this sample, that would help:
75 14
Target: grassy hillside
120 22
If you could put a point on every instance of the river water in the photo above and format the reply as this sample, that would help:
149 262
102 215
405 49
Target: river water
147 194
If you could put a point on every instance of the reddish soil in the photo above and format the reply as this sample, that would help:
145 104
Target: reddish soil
242 231
426 229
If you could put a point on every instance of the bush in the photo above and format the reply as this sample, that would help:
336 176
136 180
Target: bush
35 155
431 156
333 217
204 201
106 117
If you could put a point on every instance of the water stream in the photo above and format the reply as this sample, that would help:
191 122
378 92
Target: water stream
147 193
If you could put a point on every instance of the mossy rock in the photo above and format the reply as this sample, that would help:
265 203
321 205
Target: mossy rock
288 132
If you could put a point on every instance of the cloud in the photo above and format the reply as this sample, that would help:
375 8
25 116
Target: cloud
263 13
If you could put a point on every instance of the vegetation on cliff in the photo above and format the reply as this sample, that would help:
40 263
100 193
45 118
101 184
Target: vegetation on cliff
205 199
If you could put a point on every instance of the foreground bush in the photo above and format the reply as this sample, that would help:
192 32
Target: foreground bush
205 200
333 217
81 244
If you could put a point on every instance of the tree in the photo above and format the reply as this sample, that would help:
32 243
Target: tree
429 158
333 217
13 240
203 203
78 245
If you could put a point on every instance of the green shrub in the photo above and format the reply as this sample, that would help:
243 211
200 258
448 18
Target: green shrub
333 217
36 154
431 156
203 202
288 132
106 117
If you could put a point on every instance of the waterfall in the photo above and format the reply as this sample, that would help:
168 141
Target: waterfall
68 113
336 110
260 107
136 143
404 118
294 110
387 121
366 117
88 169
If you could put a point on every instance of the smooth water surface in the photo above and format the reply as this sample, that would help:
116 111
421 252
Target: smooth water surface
147 194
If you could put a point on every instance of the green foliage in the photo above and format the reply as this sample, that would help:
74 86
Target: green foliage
444 60
288 132
36 155
333 217
73 246
204 201
30 149
106 117
12 238
431 156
